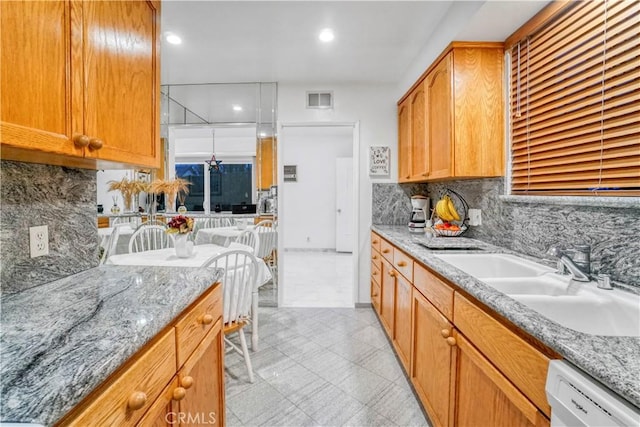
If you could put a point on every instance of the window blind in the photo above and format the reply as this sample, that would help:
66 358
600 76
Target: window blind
575 102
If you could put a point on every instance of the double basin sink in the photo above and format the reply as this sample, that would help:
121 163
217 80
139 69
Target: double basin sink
580 306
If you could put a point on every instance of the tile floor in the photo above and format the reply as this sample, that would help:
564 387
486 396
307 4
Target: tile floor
317 279
320 367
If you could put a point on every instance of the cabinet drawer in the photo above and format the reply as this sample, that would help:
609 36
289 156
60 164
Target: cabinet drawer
159 415
376 258
386 249
438 292
375 273
375 241
194 325
522 364
403 263
375 295
137 387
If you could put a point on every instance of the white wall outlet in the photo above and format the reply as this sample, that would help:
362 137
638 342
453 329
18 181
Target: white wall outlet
39 240
475 217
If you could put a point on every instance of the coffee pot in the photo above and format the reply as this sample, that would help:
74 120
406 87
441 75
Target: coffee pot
418 217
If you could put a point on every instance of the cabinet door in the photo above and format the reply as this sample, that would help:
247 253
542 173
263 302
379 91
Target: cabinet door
402 321
433 360
202 376
404 141
485 397
121 80
162 412
37 77
388 292
419 148
264 167
439 118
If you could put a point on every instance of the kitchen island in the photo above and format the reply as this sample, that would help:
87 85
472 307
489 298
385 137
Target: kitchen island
62 340
612 360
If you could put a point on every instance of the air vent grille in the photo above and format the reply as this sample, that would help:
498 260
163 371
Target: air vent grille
320 99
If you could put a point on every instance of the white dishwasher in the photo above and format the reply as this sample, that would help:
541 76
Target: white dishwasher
578 400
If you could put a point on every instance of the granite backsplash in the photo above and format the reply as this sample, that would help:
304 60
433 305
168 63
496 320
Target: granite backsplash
530 228
62 198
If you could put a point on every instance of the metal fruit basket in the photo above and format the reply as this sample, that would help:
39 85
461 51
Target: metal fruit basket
463 210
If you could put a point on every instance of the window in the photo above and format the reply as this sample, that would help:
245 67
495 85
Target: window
575 101
232 185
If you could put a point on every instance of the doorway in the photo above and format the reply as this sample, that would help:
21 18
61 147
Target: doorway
317 213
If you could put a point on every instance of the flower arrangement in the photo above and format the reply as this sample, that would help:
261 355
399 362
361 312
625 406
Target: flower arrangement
180 225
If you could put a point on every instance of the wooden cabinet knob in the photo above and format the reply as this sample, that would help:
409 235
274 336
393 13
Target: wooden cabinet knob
375 273
81 141
445 333
137 400
402 264
186 382
375 242
451 341
95 143
407 177
374 295
207 319
374 257
386 251
179 393
392 273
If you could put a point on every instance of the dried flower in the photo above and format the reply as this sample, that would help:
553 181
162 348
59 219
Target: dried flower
180 224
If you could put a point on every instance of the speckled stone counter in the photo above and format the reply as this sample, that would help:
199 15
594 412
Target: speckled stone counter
62 339
614 361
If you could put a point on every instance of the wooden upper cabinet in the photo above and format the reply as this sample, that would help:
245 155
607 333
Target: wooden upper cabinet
461 121
266 154
404 141
419 151
36 77
121 80
80 83
438 84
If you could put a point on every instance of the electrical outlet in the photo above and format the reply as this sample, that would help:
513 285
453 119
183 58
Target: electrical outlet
39 240
475 217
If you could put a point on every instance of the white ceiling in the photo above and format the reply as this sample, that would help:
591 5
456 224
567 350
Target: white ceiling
376 41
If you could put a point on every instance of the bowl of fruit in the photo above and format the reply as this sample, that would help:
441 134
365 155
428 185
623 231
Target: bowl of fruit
450 223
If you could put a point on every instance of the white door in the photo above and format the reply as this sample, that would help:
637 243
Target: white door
344 204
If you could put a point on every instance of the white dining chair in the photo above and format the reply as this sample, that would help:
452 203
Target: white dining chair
249 238
133 221
150 237
112 242
238 289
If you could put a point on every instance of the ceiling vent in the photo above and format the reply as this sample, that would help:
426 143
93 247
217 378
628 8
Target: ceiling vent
321 99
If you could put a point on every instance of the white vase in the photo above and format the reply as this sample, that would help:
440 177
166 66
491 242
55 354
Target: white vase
184 248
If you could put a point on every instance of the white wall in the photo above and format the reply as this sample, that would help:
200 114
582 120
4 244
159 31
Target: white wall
310 202
102 185
374 106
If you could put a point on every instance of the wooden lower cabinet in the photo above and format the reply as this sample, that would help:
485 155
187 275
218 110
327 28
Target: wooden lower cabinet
483 396
156 389
387 297
433 362
402 320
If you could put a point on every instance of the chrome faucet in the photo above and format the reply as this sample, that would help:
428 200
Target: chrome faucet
579 265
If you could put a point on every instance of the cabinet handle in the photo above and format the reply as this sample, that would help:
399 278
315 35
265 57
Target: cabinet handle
425 174
179 393
81 140
375 242
451 341
392 273
137 400
386 251
445 333
375 273
402 264
207 319
95 143
186 382
374 257
374 295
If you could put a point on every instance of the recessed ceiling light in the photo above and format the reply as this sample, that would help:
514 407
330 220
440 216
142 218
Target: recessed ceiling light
326 35
173 38
237 108
263 134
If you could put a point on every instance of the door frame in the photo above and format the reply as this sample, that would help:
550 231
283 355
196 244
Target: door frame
355 153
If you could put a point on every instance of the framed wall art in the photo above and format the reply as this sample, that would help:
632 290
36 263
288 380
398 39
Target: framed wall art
379 159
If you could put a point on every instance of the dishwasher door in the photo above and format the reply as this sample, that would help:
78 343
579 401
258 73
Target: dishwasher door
576 399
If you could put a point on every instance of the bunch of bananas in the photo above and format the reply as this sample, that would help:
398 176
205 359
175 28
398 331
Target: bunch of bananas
446 210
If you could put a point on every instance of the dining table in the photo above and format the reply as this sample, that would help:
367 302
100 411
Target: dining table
167 258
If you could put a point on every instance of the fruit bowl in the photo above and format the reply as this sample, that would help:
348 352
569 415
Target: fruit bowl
443 232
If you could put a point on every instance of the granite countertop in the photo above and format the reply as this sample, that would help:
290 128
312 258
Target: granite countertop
62 339
614 361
